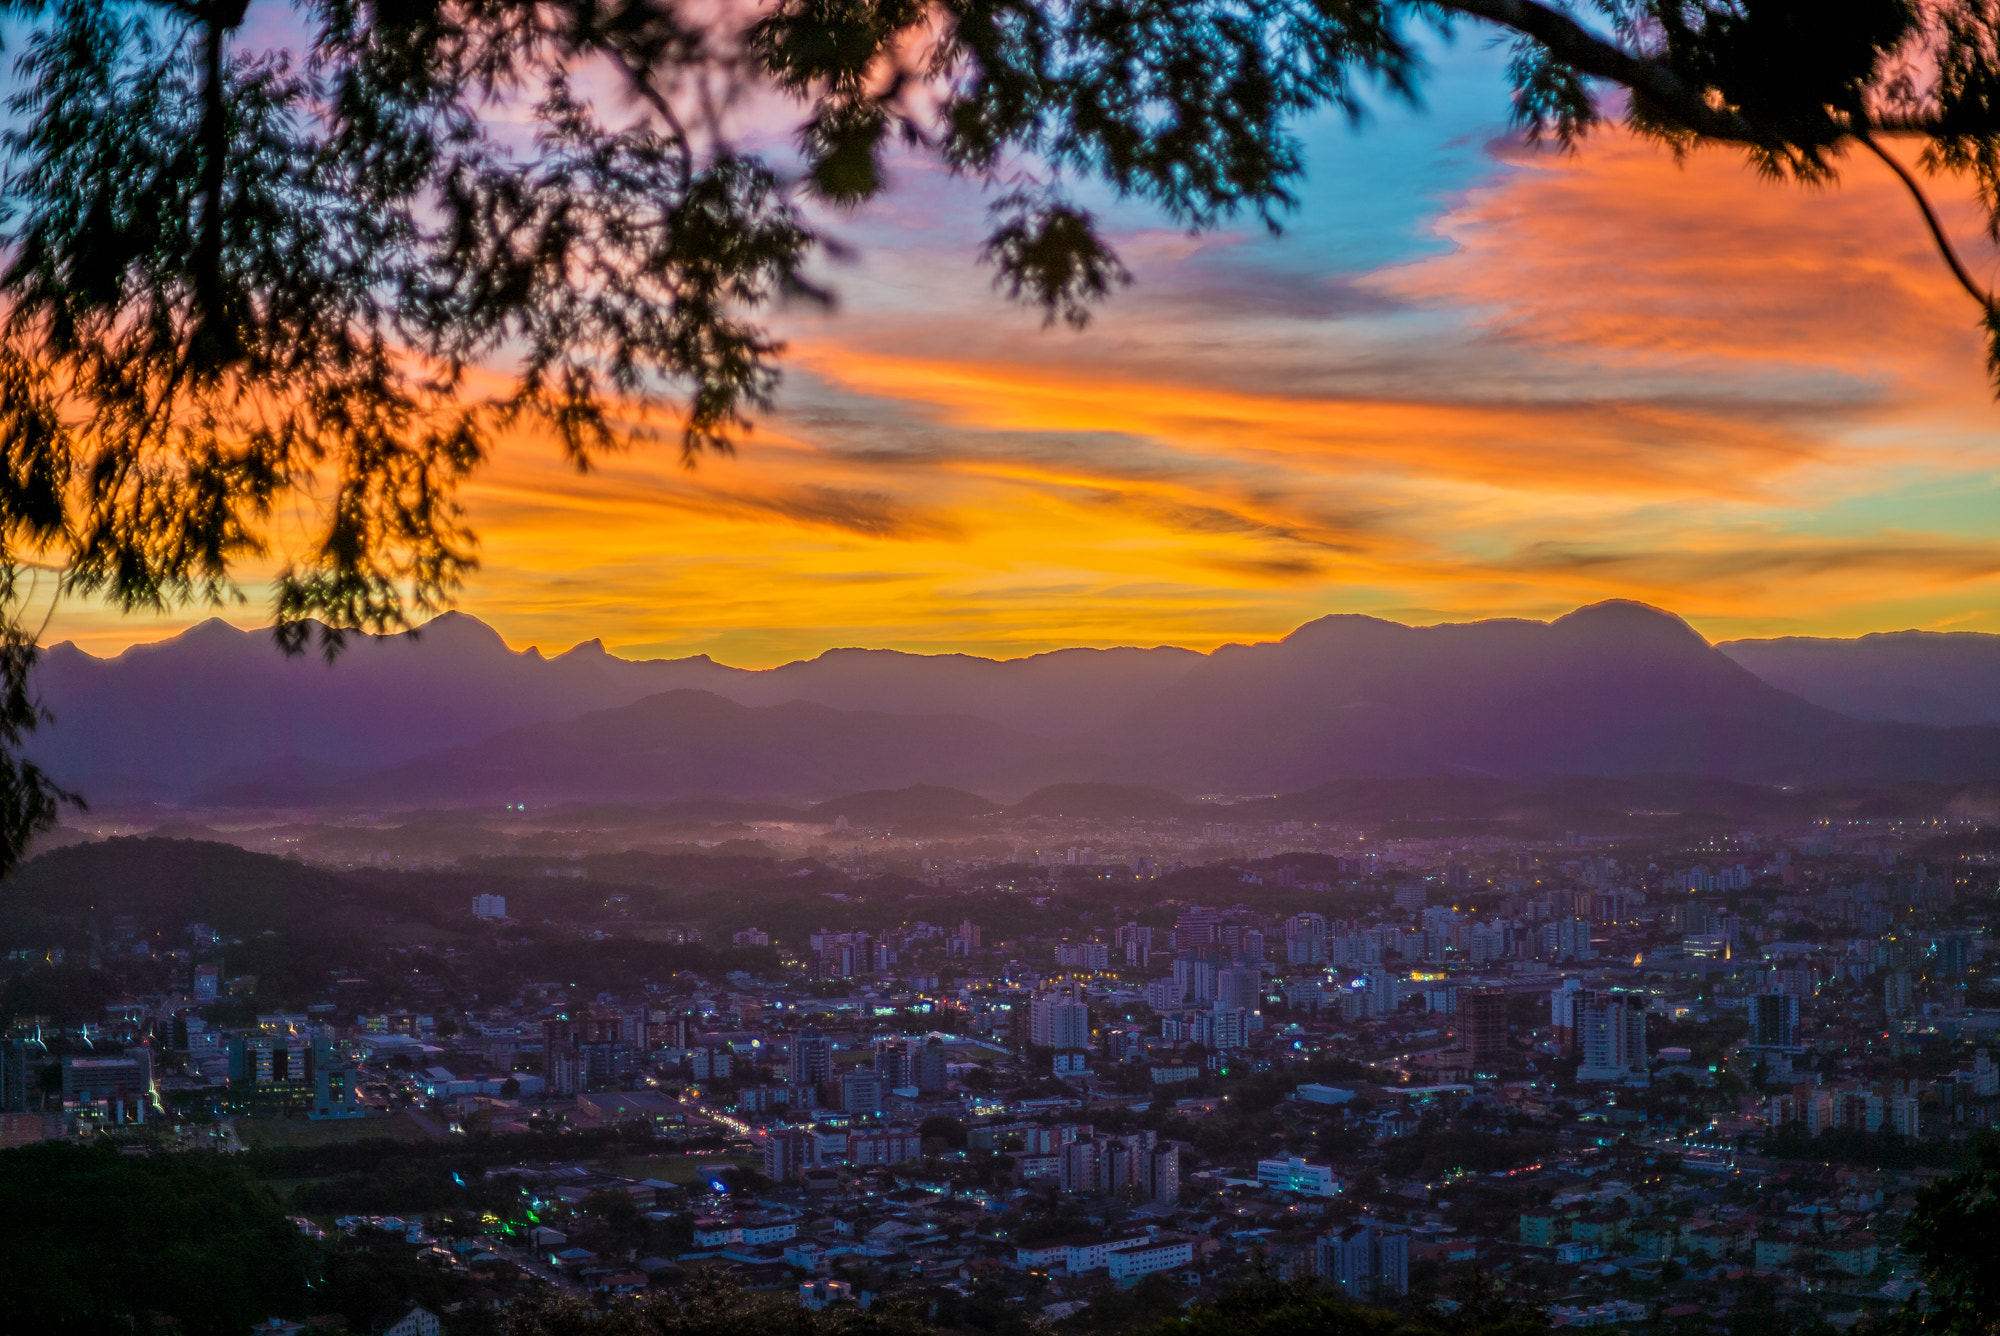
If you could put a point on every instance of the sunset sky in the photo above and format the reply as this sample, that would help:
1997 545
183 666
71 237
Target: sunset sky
1470 380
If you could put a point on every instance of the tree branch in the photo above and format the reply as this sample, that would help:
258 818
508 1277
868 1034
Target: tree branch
1584 51
1958 270
216 344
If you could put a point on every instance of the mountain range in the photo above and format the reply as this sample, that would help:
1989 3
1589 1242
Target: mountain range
216 716
1905 677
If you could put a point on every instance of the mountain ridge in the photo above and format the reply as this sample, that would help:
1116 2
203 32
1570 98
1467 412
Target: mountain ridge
1616 687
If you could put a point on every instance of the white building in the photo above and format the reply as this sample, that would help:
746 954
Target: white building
1611 1038
1143 1259
1058 1022
1292 1174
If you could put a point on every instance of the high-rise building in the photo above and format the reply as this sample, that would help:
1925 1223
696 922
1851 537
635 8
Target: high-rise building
590 1047
929 1062
1222 1028
1097 1166
1305 939
1774 1021
1197 925
1240 943
1482 1023
1563 1003
677 1030
1056 1021
1163 1183
787 1154
14 1070
1196 981
894 1064
1365 1263
1611 1037
1080 1167
1391 1256
1240 987
812 1058
1567 939
861 1091
1344 1260
1898 994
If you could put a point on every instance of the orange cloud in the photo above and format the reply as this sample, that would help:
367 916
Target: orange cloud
1554 445
1624 256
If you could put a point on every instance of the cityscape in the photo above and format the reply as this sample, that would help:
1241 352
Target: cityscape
1000 668
1610 1080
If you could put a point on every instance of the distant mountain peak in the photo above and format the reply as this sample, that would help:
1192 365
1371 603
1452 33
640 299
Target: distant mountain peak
1335 623
1625 618
207 634
861 653
461 630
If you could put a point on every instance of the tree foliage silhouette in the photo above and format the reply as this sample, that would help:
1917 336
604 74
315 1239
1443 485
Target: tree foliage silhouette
272 297
1948 1234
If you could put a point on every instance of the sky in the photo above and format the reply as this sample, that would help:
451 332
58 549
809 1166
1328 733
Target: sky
1471 379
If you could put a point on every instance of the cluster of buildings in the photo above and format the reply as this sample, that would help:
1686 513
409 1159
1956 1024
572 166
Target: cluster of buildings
1722 1067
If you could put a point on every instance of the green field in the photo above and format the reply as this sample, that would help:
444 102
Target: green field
687 1169
289 1133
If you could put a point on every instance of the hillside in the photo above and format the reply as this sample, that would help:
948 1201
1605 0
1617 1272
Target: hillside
166 884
